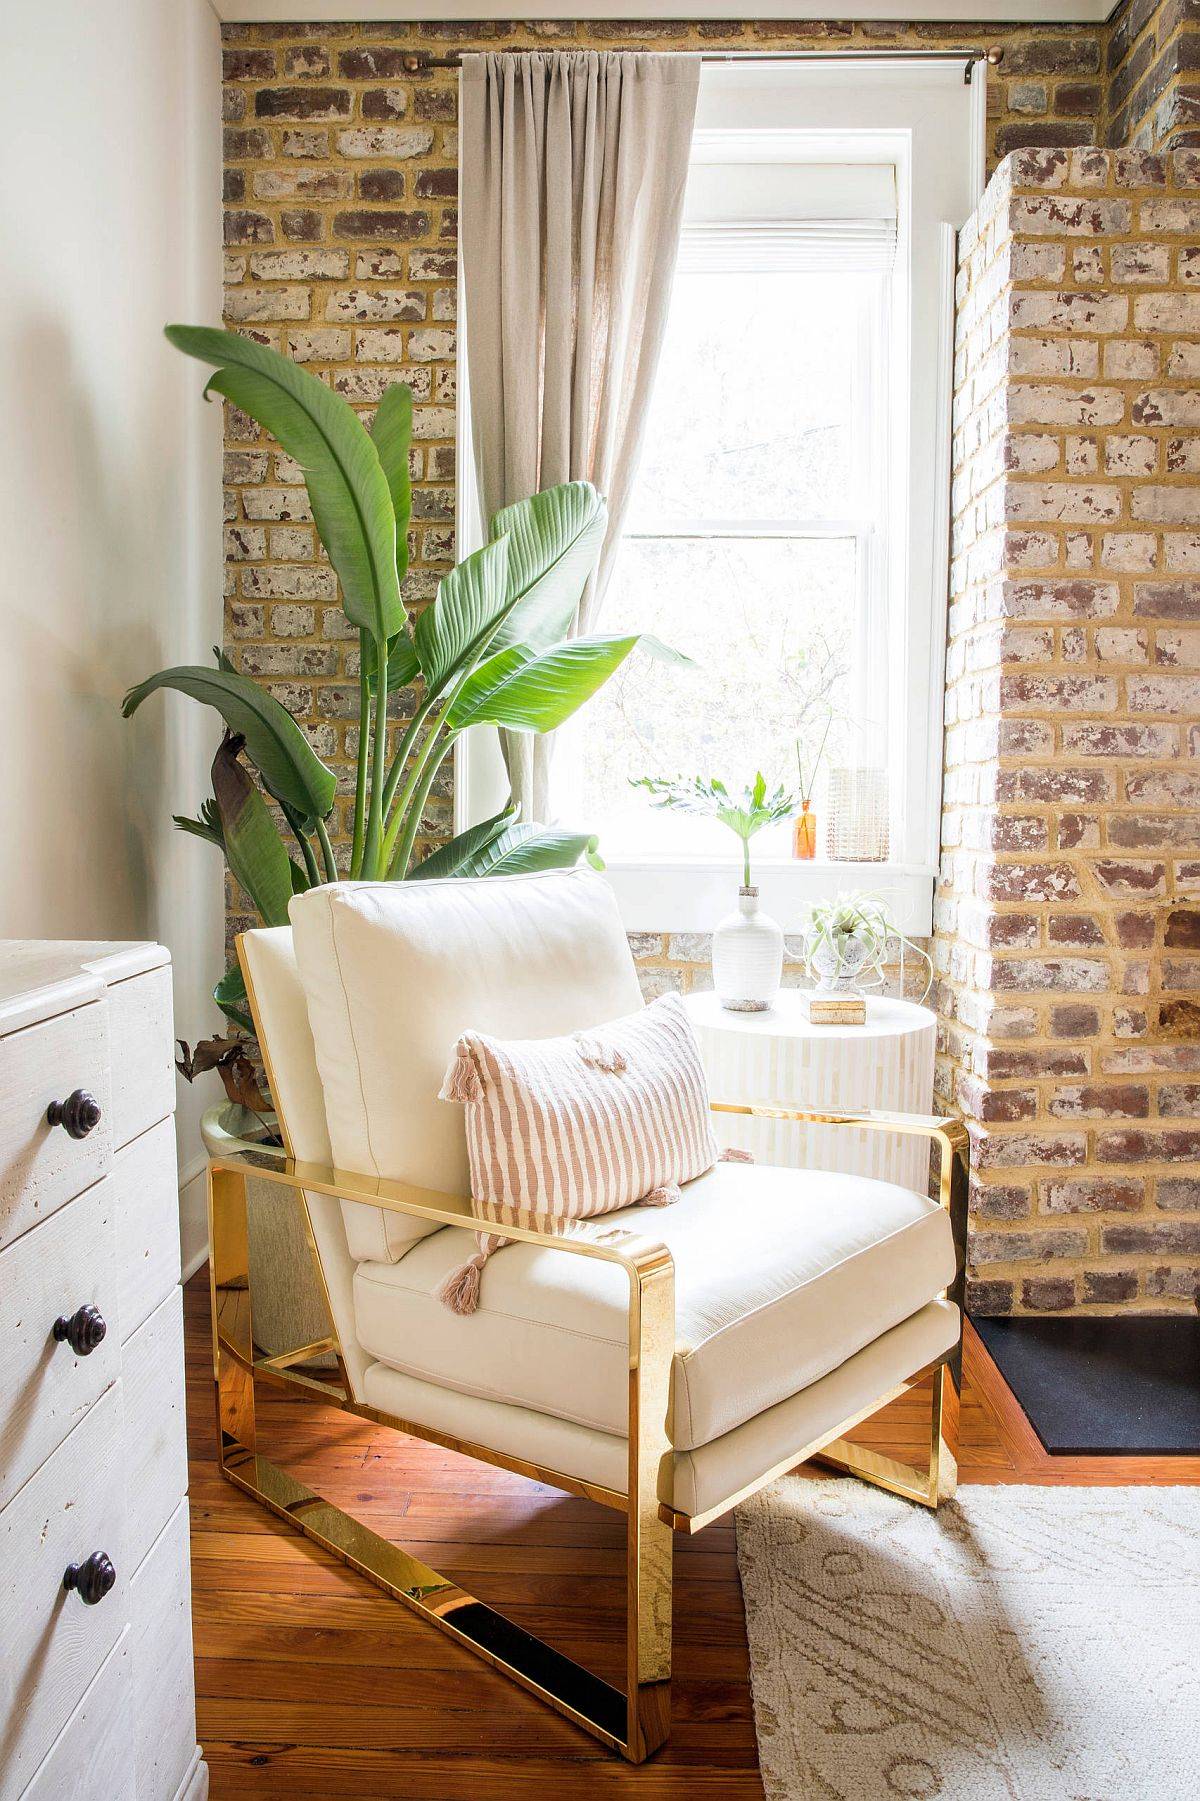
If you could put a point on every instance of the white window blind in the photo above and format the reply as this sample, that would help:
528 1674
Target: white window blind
756 216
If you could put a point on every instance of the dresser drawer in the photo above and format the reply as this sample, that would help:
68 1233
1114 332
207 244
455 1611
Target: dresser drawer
141 1034
154 1463
146 1181
92 1757
51 1643
164 1711
41 1165
46 1387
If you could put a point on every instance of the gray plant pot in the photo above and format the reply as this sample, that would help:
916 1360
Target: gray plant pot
289 1309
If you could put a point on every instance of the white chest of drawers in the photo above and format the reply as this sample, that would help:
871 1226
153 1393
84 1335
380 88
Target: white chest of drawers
96 1682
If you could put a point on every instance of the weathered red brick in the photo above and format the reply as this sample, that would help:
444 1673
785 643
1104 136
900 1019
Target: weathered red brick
1167 1145
1183 929
302 103
1101 1100
990 1298
1074 1021
1160 1238
1109 1286
1093 1194
1180 1019
364 223
1048 1294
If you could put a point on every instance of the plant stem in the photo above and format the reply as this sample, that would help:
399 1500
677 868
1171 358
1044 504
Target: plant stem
402 815
414 805
746 883
401 757
310 862
364 734
371 863
327 856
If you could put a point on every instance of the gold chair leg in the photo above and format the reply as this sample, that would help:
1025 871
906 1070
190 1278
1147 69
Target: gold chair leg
929 1487
635 1722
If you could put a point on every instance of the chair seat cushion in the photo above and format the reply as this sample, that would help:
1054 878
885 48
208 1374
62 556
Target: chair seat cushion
780 1276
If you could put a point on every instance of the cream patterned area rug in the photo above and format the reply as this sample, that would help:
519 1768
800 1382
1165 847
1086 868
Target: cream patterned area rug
1023 1644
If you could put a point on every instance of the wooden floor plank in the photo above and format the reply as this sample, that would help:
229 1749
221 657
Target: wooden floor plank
311 1685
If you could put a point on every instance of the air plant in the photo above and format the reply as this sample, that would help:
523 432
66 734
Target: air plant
853 931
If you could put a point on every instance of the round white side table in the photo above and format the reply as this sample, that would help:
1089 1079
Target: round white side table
779 1058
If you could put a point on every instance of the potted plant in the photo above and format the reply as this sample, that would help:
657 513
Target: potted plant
492 649
747 946
846 944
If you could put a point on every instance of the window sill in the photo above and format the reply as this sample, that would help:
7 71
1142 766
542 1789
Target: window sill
694 894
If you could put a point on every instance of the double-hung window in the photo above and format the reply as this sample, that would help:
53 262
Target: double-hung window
789 525
759 537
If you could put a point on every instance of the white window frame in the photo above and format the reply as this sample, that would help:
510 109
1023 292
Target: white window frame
932 126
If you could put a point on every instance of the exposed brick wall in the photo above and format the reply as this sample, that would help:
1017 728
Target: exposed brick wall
1068 915
1152 65
341 242
341 228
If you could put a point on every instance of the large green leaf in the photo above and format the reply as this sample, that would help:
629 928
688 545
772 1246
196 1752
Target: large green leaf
253 847
535 692
525 849
351 499
402 660
275 744
461 855
554 545
469 602
230 995
206 825
392 435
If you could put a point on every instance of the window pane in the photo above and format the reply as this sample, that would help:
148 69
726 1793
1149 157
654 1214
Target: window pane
771 625
753 402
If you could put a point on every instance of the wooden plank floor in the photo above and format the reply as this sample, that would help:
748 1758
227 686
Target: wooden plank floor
313 1686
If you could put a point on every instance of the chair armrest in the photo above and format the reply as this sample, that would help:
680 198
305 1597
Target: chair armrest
943 1129
585 1238
647 1263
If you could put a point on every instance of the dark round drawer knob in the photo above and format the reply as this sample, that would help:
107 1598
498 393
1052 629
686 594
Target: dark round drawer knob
83 1331
90 1579
77 1115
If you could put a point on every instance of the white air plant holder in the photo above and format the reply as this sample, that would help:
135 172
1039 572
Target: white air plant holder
839 966
847 942
747 957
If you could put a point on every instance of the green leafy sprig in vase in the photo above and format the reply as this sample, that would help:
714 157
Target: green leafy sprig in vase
747 946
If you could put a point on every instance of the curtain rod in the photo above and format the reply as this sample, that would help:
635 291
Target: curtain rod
418 61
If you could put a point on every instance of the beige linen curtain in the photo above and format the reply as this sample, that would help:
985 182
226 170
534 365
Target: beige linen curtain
573 167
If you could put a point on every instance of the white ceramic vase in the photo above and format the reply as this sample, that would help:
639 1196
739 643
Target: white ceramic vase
747 957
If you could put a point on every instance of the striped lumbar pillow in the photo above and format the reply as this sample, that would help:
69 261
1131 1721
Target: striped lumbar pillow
562 1128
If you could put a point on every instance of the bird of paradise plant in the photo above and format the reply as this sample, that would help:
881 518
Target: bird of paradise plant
491 649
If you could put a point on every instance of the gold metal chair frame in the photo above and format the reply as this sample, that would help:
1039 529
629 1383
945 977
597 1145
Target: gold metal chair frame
635 1721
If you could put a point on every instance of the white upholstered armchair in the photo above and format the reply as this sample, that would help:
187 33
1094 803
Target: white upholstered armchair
663 1363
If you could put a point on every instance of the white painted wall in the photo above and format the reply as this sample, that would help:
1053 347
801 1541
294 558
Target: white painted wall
109 482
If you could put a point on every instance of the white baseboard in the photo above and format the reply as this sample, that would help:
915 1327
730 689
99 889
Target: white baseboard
193 1217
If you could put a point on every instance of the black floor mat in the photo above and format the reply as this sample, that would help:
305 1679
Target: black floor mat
1103 1385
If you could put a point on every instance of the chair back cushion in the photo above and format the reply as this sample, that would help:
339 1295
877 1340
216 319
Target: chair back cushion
395 972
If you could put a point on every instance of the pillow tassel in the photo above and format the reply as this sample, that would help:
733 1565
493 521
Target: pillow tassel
665 1195
460 1290
733 1155
462 1080
599 1054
